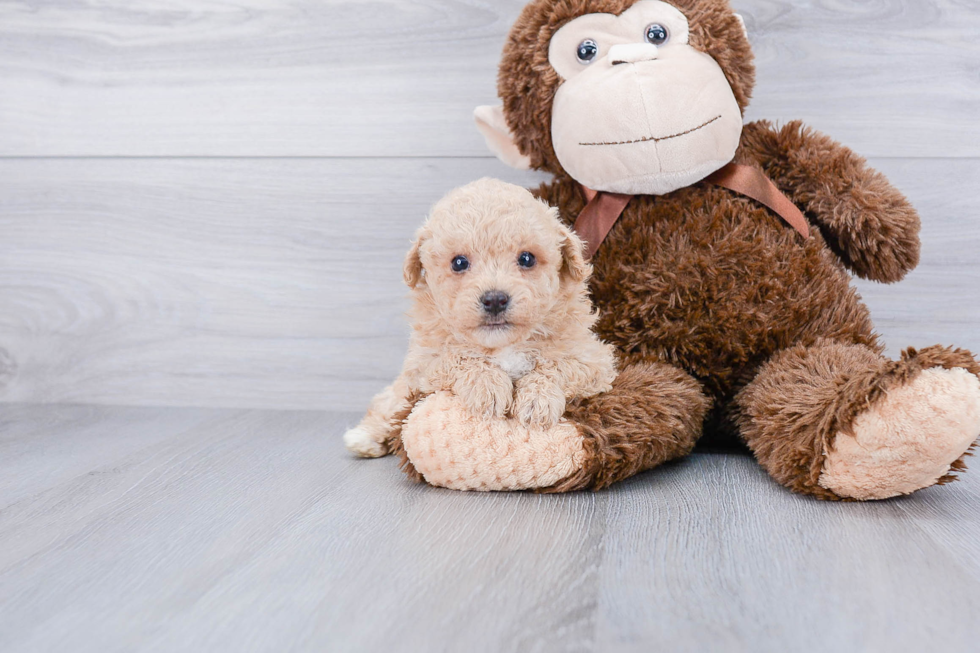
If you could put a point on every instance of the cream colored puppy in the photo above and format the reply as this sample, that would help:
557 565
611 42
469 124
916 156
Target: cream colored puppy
500 316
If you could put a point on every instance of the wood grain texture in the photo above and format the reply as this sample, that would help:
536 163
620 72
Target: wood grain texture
401 78
265 281
736 563
221 283
231 530
277 283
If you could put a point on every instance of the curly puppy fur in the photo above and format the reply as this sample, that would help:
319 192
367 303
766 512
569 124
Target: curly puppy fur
525 361
710 289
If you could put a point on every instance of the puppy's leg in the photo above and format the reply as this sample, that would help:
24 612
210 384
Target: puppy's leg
587 368
584 372
369 439
483 387
539 400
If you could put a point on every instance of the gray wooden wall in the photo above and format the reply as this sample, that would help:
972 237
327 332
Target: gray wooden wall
206 203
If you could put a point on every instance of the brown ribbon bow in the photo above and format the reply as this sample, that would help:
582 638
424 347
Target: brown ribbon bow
604 209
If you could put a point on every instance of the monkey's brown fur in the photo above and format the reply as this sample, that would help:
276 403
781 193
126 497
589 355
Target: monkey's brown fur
713 302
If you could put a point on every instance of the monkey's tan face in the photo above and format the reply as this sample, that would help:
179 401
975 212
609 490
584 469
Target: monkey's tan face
640 111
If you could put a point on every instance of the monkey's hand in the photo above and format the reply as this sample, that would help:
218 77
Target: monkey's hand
485 390
538 400
866 221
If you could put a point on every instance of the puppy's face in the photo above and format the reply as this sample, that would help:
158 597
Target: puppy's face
495 264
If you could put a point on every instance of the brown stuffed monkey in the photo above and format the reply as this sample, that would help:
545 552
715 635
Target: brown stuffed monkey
721 254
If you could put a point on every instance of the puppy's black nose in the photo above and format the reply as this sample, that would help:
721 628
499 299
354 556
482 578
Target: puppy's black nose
495 302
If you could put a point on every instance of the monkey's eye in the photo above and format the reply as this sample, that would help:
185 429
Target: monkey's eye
587 51
526 260
460 264
656 34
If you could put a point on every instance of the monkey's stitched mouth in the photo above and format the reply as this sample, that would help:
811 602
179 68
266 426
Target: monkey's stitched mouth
657 139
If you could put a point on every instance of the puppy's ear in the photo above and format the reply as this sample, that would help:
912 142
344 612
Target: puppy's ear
413 273
573 266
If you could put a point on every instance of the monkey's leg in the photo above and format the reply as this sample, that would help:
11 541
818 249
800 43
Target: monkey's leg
840 421
654 413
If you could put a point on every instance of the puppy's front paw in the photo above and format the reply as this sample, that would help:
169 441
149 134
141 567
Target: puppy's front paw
539 401
360 441
487 394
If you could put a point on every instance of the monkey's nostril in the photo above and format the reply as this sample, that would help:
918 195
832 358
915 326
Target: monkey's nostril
632 53
495 302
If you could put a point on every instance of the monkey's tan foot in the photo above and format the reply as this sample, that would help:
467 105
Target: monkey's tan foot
839 421
361 441
652 414
451 448
908 439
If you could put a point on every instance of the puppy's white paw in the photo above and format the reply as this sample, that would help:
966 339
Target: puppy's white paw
538 402
360 441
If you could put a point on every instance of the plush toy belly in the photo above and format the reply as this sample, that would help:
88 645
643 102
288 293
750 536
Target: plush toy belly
450 448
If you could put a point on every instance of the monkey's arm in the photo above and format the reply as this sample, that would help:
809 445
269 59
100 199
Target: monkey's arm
864 219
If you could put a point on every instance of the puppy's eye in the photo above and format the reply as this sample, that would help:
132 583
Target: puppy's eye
526 260
460 264
587 51
656 34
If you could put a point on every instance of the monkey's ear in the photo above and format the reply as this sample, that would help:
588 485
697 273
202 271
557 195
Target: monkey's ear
741 21
492 124
413 272
574 267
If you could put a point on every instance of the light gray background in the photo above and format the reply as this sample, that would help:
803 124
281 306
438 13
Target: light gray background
203 211
207 203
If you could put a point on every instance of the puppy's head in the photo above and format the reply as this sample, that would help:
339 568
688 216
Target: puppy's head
496 265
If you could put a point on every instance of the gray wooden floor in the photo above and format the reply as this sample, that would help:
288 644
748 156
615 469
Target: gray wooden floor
204 205
232 530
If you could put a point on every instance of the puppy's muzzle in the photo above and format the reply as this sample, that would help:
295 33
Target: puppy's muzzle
495 302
